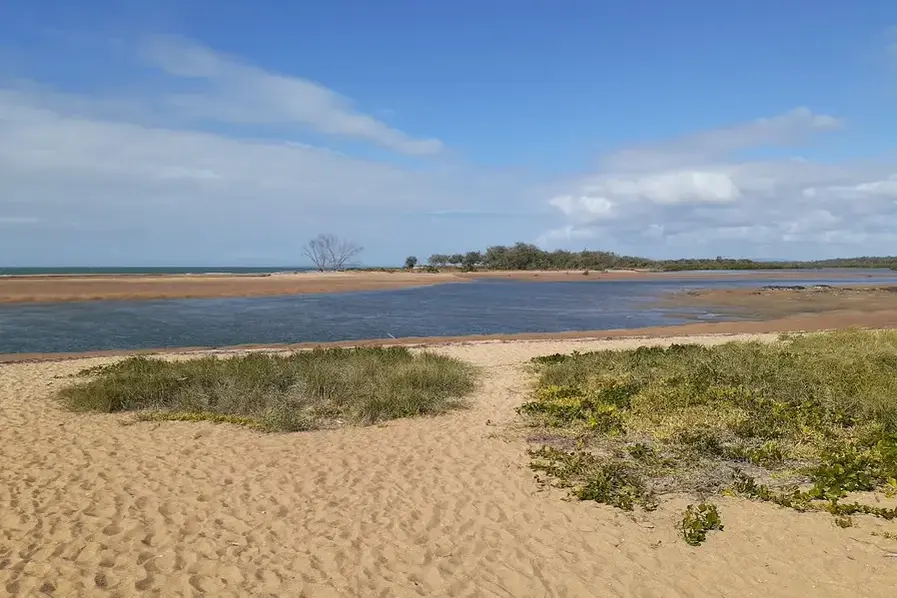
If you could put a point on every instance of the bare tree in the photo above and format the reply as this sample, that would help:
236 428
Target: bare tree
329 252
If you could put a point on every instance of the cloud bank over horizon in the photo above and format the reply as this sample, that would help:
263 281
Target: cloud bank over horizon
698 192
213 163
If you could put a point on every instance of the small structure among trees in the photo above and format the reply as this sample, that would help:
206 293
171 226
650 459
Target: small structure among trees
329 252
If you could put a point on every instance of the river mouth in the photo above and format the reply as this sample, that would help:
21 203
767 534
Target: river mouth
481 307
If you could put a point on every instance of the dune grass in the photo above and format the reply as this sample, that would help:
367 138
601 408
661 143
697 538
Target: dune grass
801 422
298 391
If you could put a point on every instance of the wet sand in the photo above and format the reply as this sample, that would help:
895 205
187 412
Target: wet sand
94 505
25 289
786 302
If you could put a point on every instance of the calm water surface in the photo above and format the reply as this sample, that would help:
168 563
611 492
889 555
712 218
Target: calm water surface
483 307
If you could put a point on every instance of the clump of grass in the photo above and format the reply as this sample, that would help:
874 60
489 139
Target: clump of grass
697 521
801 422
298 391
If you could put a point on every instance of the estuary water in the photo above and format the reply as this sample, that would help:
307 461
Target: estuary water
481 307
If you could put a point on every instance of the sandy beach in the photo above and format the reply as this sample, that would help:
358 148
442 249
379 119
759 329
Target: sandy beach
30 289
95 505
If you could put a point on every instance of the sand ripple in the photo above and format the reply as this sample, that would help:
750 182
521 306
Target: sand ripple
434 507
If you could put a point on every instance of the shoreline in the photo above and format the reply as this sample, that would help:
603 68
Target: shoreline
54 288
804 322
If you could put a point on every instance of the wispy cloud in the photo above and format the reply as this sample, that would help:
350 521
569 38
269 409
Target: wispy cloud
784 129
65 151
93 180
235 92
18 220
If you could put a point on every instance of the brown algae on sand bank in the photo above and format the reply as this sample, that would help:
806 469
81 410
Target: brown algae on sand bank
298 391
800 423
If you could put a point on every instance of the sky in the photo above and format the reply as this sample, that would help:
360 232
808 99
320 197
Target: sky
230 132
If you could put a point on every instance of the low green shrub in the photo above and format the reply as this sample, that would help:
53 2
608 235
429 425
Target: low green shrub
812 416
292 392
608 481
697 521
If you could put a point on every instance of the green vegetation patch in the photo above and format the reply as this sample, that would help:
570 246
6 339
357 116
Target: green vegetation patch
697 521
801 422
298 391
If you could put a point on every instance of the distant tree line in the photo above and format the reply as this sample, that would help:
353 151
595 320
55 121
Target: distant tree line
330 252
721 263
525 256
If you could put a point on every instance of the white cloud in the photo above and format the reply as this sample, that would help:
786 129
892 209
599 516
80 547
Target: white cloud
35 141
693 195
705 146
90 175
104 190
583 207
677 187
607 197
232 91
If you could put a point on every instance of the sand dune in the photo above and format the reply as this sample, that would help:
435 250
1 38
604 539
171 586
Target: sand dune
430 507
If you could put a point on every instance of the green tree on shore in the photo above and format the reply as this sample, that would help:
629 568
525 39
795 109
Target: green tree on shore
438 259
526 256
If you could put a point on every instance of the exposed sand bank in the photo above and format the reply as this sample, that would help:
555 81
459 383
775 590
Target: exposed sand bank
127 287
429 507
785 302
23 289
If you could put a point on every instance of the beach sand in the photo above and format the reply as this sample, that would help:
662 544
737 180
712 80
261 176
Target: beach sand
30 289
92 505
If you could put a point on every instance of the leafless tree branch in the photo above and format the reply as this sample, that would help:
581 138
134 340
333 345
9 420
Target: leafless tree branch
329 252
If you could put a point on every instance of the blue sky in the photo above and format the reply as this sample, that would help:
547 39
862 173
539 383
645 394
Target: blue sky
230 132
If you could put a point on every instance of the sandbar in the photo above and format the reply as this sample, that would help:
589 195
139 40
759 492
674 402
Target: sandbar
58 288
775 301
